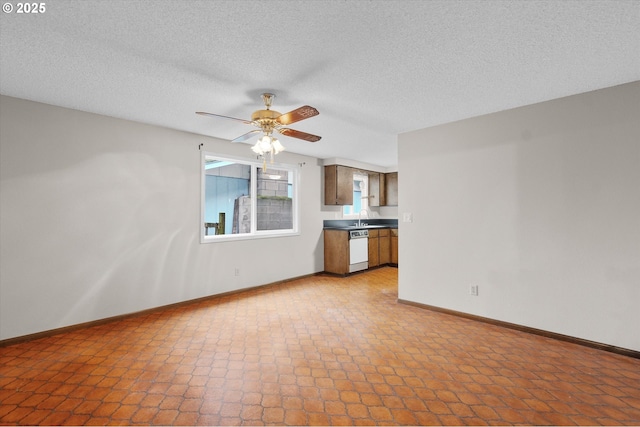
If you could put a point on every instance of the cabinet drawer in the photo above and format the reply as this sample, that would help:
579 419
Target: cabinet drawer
384 232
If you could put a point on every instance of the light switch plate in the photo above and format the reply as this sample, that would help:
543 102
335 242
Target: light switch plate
407 217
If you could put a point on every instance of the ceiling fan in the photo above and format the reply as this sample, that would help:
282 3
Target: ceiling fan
268 120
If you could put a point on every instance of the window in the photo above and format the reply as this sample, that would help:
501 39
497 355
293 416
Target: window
242 200
360 197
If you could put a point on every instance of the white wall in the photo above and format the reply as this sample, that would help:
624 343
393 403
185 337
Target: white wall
539 206
101 217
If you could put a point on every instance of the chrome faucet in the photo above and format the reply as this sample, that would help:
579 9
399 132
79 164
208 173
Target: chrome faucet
359 223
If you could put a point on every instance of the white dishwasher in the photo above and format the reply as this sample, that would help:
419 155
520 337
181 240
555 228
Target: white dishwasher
358 250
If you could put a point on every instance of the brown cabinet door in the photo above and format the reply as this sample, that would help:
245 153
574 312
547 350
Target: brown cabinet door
384 243
391 188
383 189
330 184
374 257
338 185
344 188
377 192
336 251
394 246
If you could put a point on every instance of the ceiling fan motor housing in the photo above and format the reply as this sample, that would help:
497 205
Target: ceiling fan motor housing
265 115
266 119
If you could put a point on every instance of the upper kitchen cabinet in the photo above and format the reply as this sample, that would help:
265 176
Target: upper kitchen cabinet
383 189
338 185
391 188
377 193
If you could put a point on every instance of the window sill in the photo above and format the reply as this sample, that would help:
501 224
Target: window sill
247 236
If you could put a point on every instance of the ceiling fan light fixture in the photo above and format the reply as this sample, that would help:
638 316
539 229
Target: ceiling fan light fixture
267 144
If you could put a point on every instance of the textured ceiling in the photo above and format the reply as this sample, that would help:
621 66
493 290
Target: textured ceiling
373 69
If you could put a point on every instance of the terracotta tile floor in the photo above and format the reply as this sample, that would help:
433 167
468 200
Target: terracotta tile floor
320 350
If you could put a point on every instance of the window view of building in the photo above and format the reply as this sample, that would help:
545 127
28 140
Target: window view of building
275 201
229 207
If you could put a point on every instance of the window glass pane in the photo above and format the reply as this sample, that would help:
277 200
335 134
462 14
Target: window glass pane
274 199
227 197
240 200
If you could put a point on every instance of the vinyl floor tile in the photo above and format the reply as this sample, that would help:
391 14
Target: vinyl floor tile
320 350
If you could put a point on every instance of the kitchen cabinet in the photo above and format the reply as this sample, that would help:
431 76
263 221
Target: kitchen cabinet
383 189
394 246
338 185
391 189
377 189
336 251
379 247
384 246
374 248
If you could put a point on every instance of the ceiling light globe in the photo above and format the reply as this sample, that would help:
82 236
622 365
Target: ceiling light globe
257 148
265 143
277 146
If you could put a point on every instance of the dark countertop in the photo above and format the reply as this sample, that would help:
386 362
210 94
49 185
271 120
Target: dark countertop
367 224
362 227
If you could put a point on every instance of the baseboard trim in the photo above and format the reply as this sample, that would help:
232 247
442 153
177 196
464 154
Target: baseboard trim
51 332
547 334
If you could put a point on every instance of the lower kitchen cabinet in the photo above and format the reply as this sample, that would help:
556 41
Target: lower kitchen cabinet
379 247
384 244
382 249
394 246
374 249
336 251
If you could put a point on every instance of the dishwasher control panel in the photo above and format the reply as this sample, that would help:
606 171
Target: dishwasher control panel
358 234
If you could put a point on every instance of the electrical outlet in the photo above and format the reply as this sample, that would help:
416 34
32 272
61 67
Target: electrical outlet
473 290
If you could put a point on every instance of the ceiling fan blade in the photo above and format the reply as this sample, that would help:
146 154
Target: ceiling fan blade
247 136
300 135
296 115
202 113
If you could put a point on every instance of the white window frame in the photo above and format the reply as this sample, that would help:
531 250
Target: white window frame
254 233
